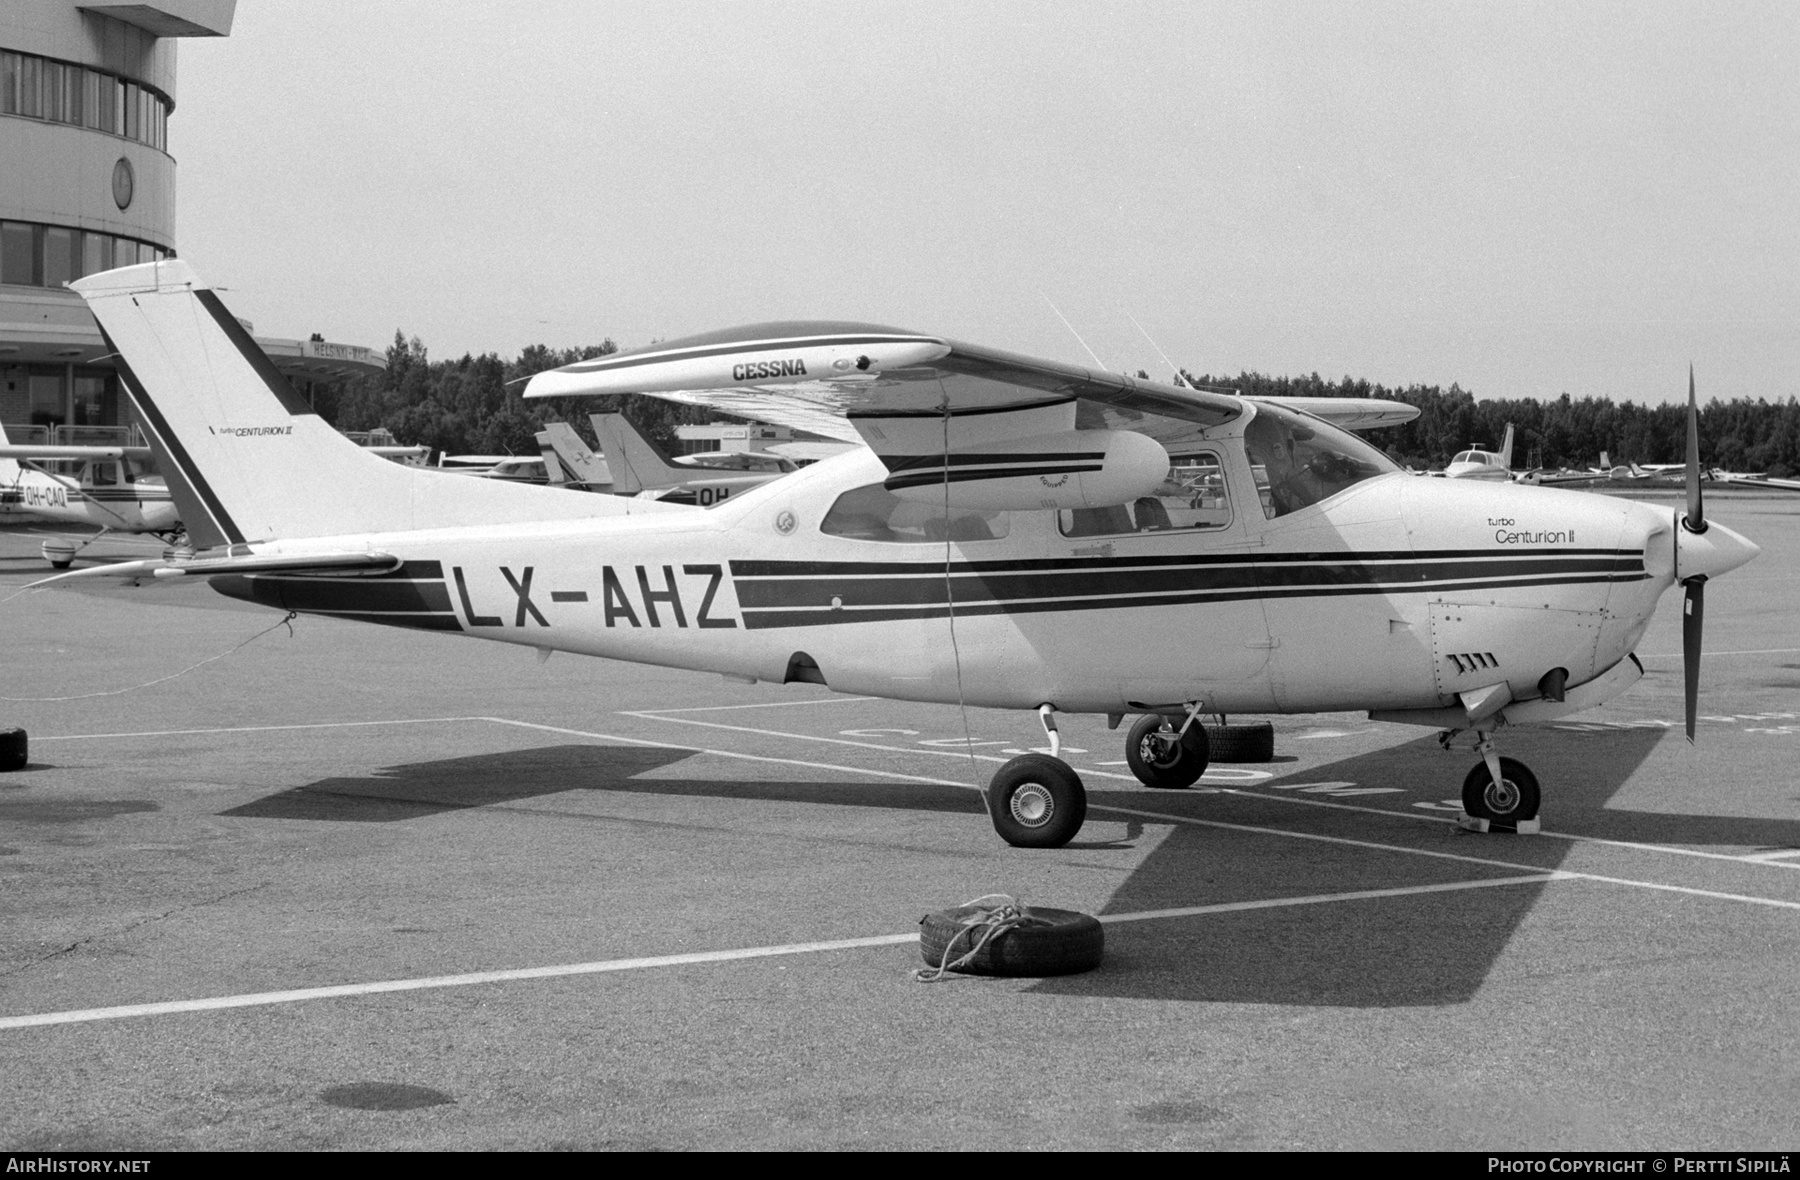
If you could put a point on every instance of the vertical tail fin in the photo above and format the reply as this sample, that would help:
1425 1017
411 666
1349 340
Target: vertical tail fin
574 454
259 462
636 463
552 466
1506 449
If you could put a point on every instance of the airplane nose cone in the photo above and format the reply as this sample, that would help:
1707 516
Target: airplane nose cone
1718 550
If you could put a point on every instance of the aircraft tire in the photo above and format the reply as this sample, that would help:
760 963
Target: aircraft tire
1037 802
14 750
1251 742
1516 800
1160 764
1048 942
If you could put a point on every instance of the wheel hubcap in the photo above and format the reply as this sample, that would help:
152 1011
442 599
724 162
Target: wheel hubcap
1501 797
1160 749
1032 805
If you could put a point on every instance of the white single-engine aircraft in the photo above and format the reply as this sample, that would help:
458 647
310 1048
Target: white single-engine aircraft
1476 463
1020 534
113 490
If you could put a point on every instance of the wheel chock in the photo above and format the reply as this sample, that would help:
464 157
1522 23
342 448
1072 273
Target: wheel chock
1525 827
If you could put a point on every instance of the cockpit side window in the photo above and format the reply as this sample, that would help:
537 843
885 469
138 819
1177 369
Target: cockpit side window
1300 460
872 513
104 475
1191 497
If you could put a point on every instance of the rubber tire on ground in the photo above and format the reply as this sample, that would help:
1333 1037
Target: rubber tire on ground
1519 803
13 749
1043 780
1163 765
1250 742
1052 942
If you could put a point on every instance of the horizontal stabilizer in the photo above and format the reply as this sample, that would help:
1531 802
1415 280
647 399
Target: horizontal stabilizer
47 452
164 569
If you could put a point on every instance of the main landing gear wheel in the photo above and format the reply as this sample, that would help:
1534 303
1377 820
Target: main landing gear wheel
1037 802
1159 760
1512 800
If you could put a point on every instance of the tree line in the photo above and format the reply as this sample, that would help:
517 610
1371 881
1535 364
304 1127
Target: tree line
1737 435
472 405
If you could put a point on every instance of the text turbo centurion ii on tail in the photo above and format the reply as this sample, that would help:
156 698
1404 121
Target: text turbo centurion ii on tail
1019 534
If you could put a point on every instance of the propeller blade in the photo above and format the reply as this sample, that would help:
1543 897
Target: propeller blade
1693 613
1696 518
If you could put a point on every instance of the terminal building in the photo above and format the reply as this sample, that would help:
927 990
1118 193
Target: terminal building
87 183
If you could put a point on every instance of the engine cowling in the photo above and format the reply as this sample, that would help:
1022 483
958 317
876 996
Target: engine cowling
1068 469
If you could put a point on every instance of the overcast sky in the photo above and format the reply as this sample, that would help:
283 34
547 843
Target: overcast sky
1526 199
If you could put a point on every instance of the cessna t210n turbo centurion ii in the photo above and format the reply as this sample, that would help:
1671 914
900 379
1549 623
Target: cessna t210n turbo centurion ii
1017 534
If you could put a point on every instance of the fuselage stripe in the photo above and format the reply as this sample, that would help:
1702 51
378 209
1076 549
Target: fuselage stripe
758 619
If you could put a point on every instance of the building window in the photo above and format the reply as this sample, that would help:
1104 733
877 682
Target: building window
62 256
31 87
91 89
61 92
96 253
50 255
74 78
18 253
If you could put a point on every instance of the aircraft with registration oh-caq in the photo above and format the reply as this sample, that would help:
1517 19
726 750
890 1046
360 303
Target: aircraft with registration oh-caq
112 489
1017 533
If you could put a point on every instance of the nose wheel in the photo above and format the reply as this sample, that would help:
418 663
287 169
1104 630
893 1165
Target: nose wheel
1498 790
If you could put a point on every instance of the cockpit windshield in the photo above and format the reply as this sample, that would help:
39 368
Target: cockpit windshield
1299 460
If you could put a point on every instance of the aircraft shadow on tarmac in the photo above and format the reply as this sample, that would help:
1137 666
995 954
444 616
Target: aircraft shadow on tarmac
420 789
1419 950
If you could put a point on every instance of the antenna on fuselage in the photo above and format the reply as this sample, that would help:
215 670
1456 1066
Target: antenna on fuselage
1180 377
1073 332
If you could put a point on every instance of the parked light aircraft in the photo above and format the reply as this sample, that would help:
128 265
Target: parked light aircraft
1476 463
111 489
1019 534
632 464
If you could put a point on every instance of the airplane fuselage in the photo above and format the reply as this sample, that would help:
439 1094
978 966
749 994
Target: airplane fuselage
142 505
1397 593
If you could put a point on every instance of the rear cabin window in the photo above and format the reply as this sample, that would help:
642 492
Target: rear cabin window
873 513
1192 497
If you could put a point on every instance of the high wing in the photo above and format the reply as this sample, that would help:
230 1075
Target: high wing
1351 413
857 382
